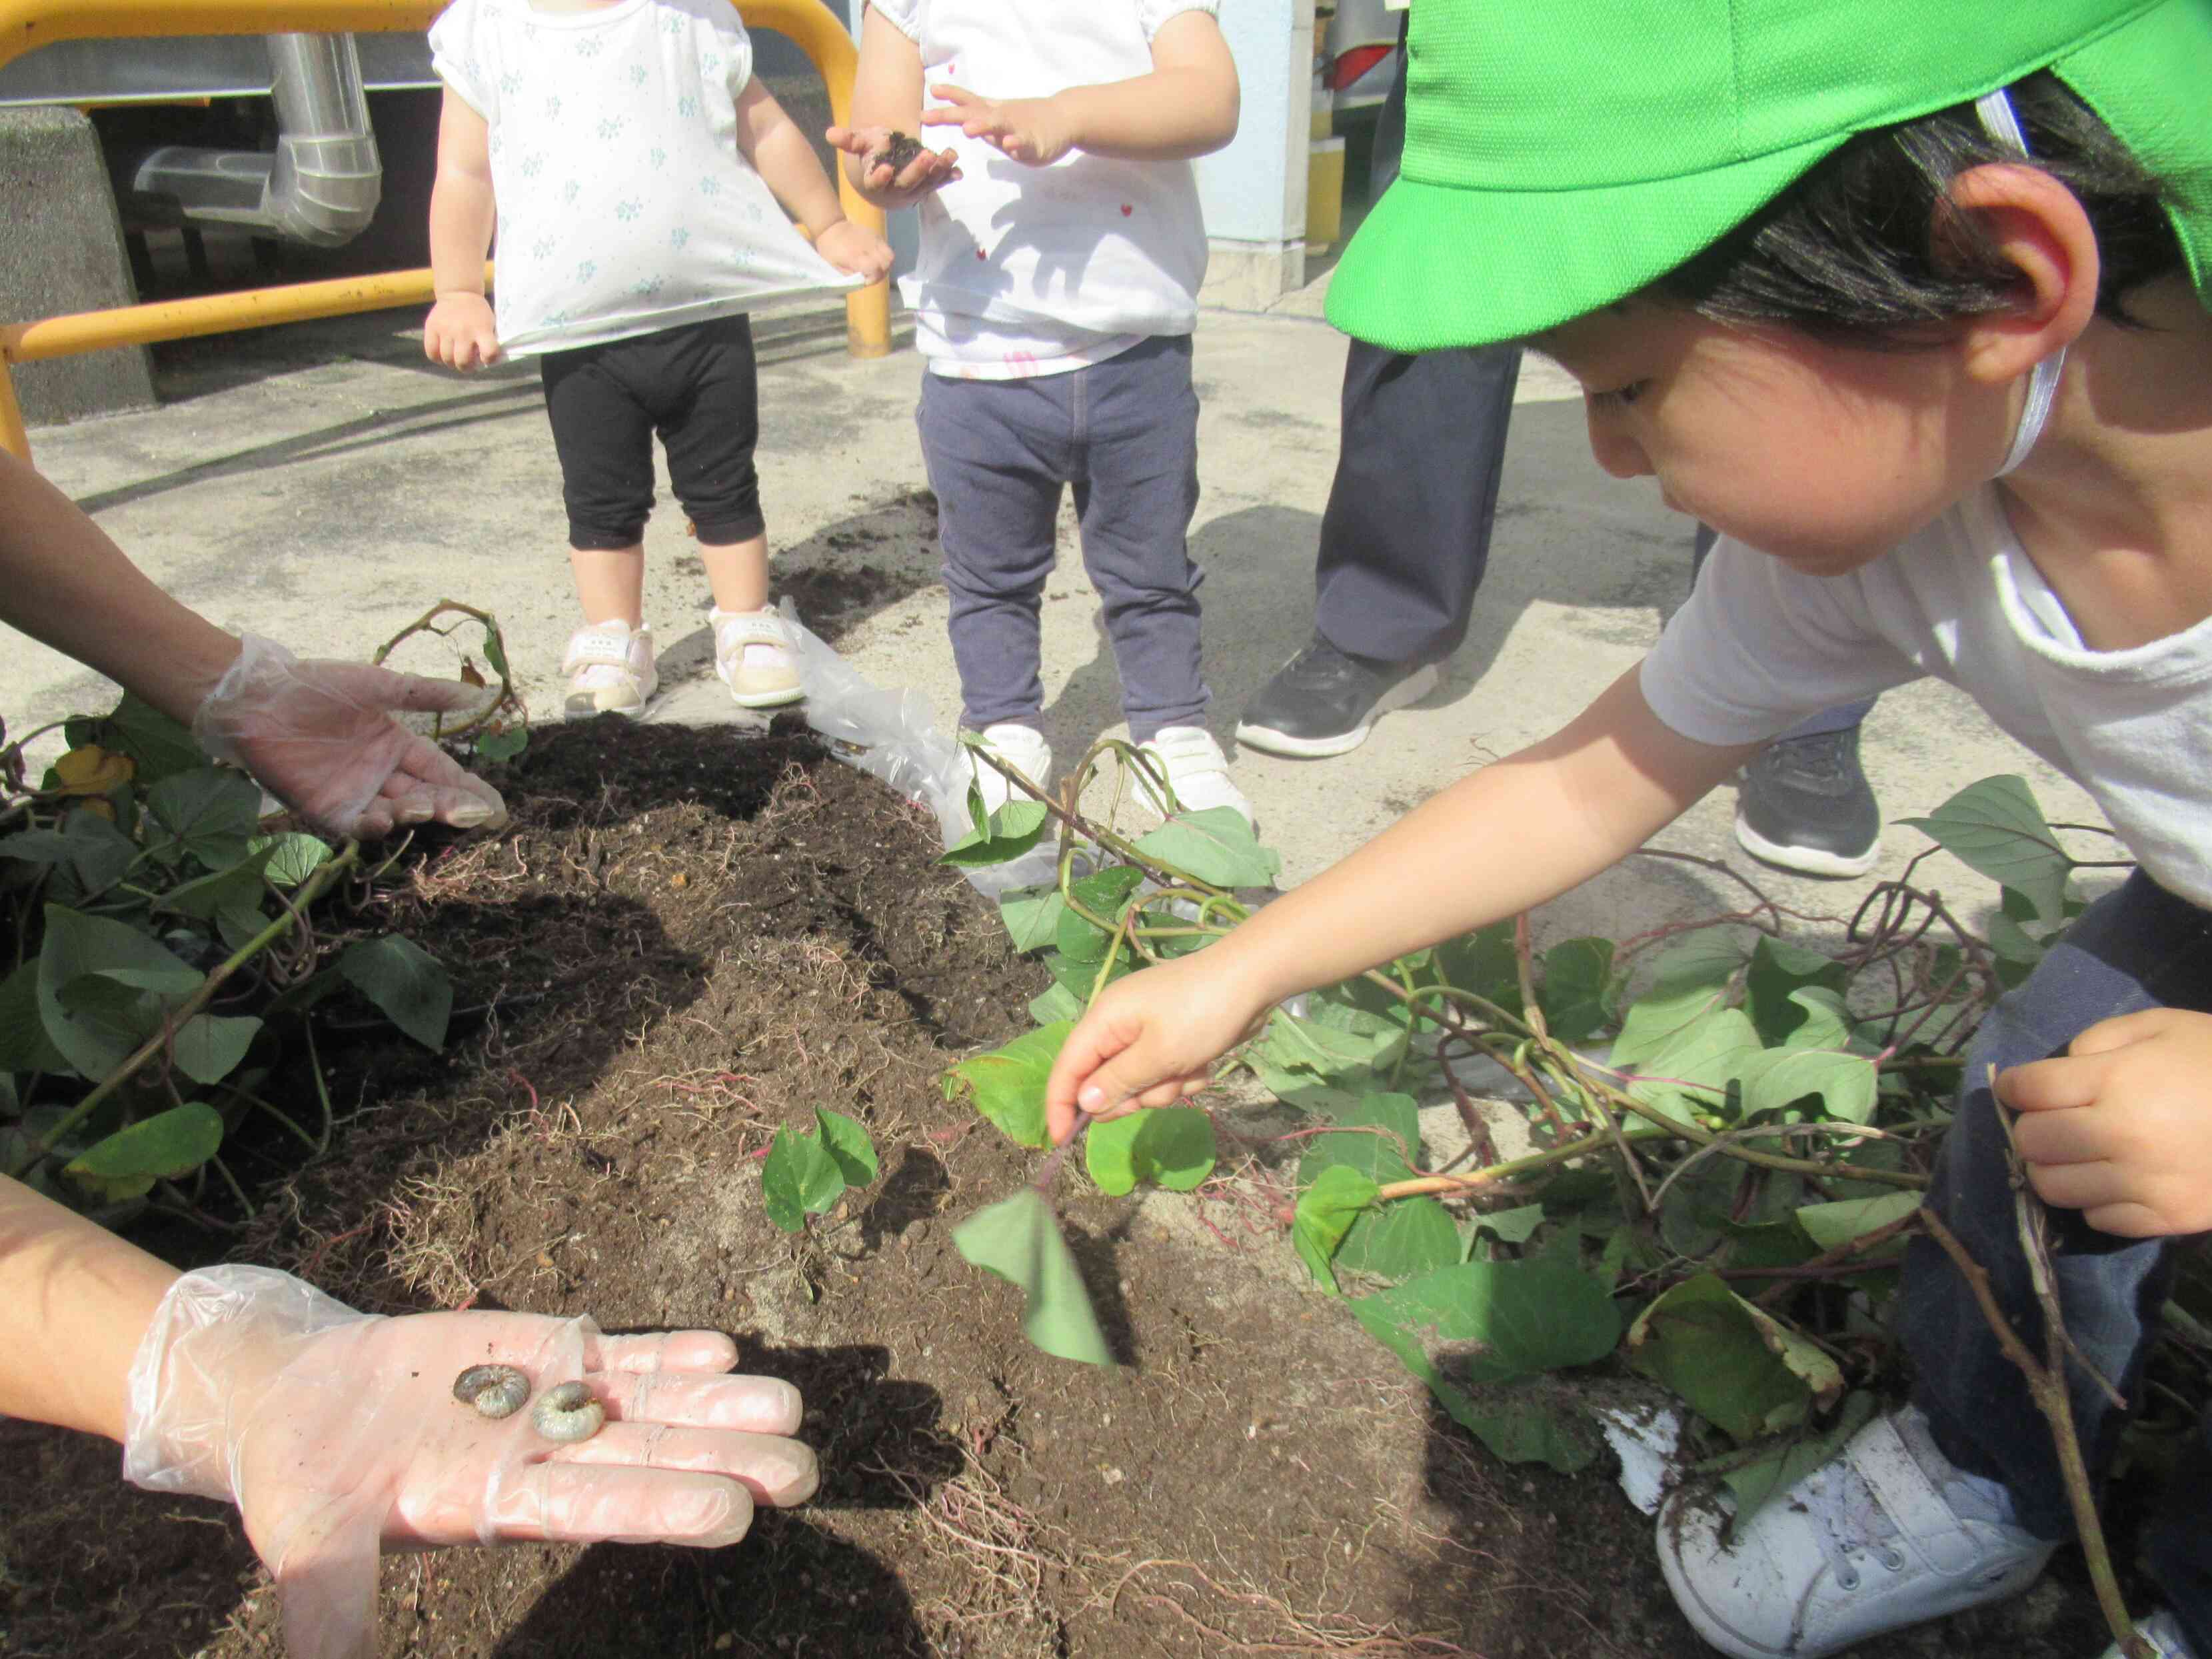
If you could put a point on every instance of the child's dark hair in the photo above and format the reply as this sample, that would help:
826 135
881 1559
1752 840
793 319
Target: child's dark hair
1860 249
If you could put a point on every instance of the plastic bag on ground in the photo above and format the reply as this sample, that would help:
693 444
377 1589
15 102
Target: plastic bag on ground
892 734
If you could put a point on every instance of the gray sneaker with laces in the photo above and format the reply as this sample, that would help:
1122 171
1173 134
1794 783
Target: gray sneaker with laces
1888 1535
1804 805
1324 702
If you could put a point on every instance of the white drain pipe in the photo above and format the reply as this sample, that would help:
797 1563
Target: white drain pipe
322 183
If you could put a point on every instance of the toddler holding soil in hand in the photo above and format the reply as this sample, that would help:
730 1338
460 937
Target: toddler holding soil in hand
1055 300
633 165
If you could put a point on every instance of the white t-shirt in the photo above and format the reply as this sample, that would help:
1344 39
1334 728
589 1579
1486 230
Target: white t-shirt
1024 270
624 203
1759 646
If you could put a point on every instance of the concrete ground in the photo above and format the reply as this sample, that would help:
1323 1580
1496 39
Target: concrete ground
323 484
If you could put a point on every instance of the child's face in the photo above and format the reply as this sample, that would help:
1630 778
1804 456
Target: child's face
1825 456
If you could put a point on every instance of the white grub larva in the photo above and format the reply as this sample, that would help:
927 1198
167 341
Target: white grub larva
495 1390
568 1413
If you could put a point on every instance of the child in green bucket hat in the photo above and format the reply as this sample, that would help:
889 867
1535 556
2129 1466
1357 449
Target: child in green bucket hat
1910 301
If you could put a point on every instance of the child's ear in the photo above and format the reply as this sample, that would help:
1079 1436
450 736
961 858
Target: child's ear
2038 227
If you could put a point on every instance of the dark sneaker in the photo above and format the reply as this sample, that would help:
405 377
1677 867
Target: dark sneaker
1324 702
1804 805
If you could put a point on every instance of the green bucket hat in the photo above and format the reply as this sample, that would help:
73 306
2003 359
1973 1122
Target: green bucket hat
1562 154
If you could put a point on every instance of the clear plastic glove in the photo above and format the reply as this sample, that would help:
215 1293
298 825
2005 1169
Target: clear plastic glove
337 1433
320 735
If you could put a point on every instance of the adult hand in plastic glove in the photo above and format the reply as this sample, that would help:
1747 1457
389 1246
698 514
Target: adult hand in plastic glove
321 735
338 1433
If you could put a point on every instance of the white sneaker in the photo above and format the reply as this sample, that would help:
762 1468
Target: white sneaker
1197 772
2164 1633
1023 748
609 670
1886 1535
754 657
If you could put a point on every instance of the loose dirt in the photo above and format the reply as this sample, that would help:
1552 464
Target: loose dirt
687 939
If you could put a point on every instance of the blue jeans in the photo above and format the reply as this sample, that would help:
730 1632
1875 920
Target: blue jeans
2138 948
1123 434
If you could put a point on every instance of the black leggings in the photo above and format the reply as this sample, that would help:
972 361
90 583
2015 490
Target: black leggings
694 386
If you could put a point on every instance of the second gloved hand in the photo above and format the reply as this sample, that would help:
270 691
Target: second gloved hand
320 735
337 1434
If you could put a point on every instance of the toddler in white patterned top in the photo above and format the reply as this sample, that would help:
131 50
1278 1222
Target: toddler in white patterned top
643 183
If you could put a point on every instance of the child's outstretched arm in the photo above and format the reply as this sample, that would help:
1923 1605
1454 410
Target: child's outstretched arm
1187 106
887 99
1507 837
459 332
783 157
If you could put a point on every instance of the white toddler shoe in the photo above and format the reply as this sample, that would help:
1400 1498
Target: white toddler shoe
754 654
609 670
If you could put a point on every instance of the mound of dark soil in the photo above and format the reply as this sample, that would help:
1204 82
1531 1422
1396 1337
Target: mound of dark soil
686 940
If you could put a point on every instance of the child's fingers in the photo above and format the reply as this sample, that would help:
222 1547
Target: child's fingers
1080 1066
920 171
2080 1185
2128 1220
1166 1094
951 94
2063 1136
2050 1086
2120 1031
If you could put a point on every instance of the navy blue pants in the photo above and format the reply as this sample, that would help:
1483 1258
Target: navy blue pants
1122 436
2138 948
1406 536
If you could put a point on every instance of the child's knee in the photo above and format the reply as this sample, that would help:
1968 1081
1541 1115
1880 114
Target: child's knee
600 532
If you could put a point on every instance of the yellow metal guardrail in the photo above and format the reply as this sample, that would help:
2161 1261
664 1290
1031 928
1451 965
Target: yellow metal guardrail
26 24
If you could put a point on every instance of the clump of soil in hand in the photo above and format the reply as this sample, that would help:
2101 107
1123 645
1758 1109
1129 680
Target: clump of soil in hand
899 151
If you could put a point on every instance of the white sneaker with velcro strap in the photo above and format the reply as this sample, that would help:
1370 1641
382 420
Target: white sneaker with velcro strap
1023 748
609 670
1887 1534
1196 771
756 658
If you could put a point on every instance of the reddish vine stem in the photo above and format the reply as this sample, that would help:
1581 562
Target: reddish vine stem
1873 1238
2046 1385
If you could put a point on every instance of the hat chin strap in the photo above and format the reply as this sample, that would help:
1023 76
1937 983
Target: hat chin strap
2002 124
